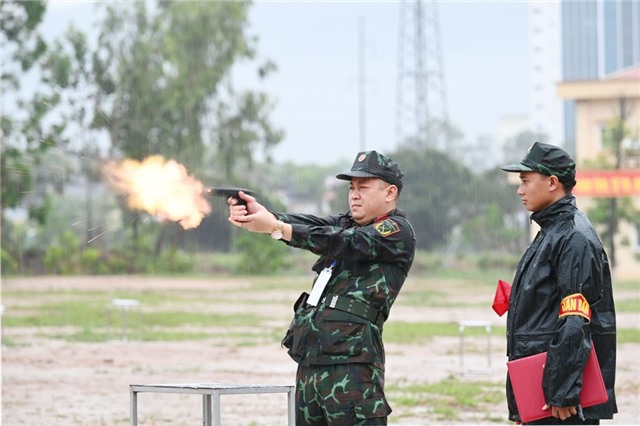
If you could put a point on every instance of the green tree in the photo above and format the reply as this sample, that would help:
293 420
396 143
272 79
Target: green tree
516 147
608 212
260 255
498 223
307 184
437 194
23 139
68 71
22 46
433 135
165 86
165 72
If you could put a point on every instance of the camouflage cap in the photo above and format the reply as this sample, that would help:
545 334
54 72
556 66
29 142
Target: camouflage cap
374 164
548 160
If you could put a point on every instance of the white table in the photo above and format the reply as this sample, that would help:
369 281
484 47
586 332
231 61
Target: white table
462 325
211 397
125 306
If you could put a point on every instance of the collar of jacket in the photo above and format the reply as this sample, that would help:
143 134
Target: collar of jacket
394 212
550 214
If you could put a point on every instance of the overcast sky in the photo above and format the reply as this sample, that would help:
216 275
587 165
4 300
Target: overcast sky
316 46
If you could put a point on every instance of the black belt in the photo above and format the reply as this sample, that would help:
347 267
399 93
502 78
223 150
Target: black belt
353 306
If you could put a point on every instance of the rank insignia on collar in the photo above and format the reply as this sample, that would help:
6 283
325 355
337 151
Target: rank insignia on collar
387 227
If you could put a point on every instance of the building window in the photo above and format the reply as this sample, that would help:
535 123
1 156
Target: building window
602 134
631 148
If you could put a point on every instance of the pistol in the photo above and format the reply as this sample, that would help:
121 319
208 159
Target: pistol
226 192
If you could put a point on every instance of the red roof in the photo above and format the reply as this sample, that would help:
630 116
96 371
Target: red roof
630 73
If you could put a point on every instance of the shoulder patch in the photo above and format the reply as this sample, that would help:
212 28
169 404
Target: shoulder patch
387 227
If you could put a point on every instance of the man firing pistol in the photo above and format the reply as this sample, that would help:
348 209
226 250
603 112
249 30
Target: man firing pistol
336 333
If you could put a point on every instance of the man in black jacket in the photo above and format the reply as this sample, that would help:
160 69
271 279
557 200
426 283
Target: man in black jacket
564 266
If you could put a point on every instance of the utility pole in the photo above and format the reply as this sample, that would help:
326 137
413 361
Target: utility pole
362 85
421 99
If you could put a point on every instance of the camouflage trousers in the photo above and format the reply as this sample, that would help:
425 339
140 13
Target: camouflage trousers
342 394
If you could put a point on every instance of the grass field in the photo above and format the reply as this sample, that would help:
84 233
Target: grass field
173 315
232 313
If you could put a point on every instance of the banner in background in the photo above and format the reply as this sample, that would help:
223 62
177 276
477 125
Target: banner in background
607 183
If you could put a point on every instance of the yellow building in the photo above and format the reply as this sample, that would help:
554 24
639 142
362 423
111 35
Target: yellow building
598 103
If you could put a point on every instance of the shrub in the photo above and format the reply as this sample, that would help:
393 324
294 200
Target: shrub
8 264
260 254
497 261
64 257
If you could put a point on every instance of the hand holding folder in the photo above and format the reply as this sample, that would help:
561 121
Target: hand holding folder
526 380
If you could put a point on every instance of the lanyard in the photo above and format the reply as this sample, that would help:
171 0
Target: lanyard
320 284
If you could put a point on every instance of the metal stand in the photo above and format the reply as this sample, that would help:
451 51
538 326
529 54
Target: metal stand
125 306
2 326
475 323
211 397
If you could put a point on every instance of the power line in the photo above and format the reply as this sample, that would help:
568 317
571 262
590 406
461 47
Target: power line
421 103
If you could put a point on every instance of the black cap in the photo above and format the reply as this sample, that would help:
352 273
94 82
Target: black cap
370 164
548 160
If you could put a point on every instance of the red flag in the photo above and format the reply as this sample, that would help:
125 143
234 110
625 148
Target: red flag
501 299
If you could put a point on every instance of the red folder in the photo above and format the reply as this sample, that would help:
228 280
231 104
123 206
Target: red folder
526 380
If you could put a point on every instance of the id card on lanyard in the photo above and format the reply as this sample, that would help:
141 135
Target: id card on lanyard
320 284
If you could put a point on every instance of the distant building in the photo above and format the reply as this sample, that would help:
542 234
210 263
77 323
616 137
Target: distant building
545 110
572 41
509 127
597 104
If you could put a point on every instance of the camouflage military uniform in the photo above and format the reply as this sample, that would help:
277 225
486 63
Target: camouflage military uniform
338 344
341 394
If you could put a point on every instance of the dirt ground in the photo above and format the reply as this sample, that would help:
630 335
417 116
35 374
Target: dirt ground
57 383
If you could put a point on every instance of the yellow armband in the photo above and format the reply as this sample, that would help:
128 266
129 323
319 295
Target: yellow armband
575 304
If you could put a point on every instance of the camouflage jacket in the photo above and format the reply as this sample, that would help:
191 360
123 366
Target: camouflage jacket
371 265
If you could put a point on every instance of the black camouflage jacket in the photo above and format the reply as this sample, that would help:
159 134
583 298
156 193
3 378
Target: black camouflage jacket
566 258
371 265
